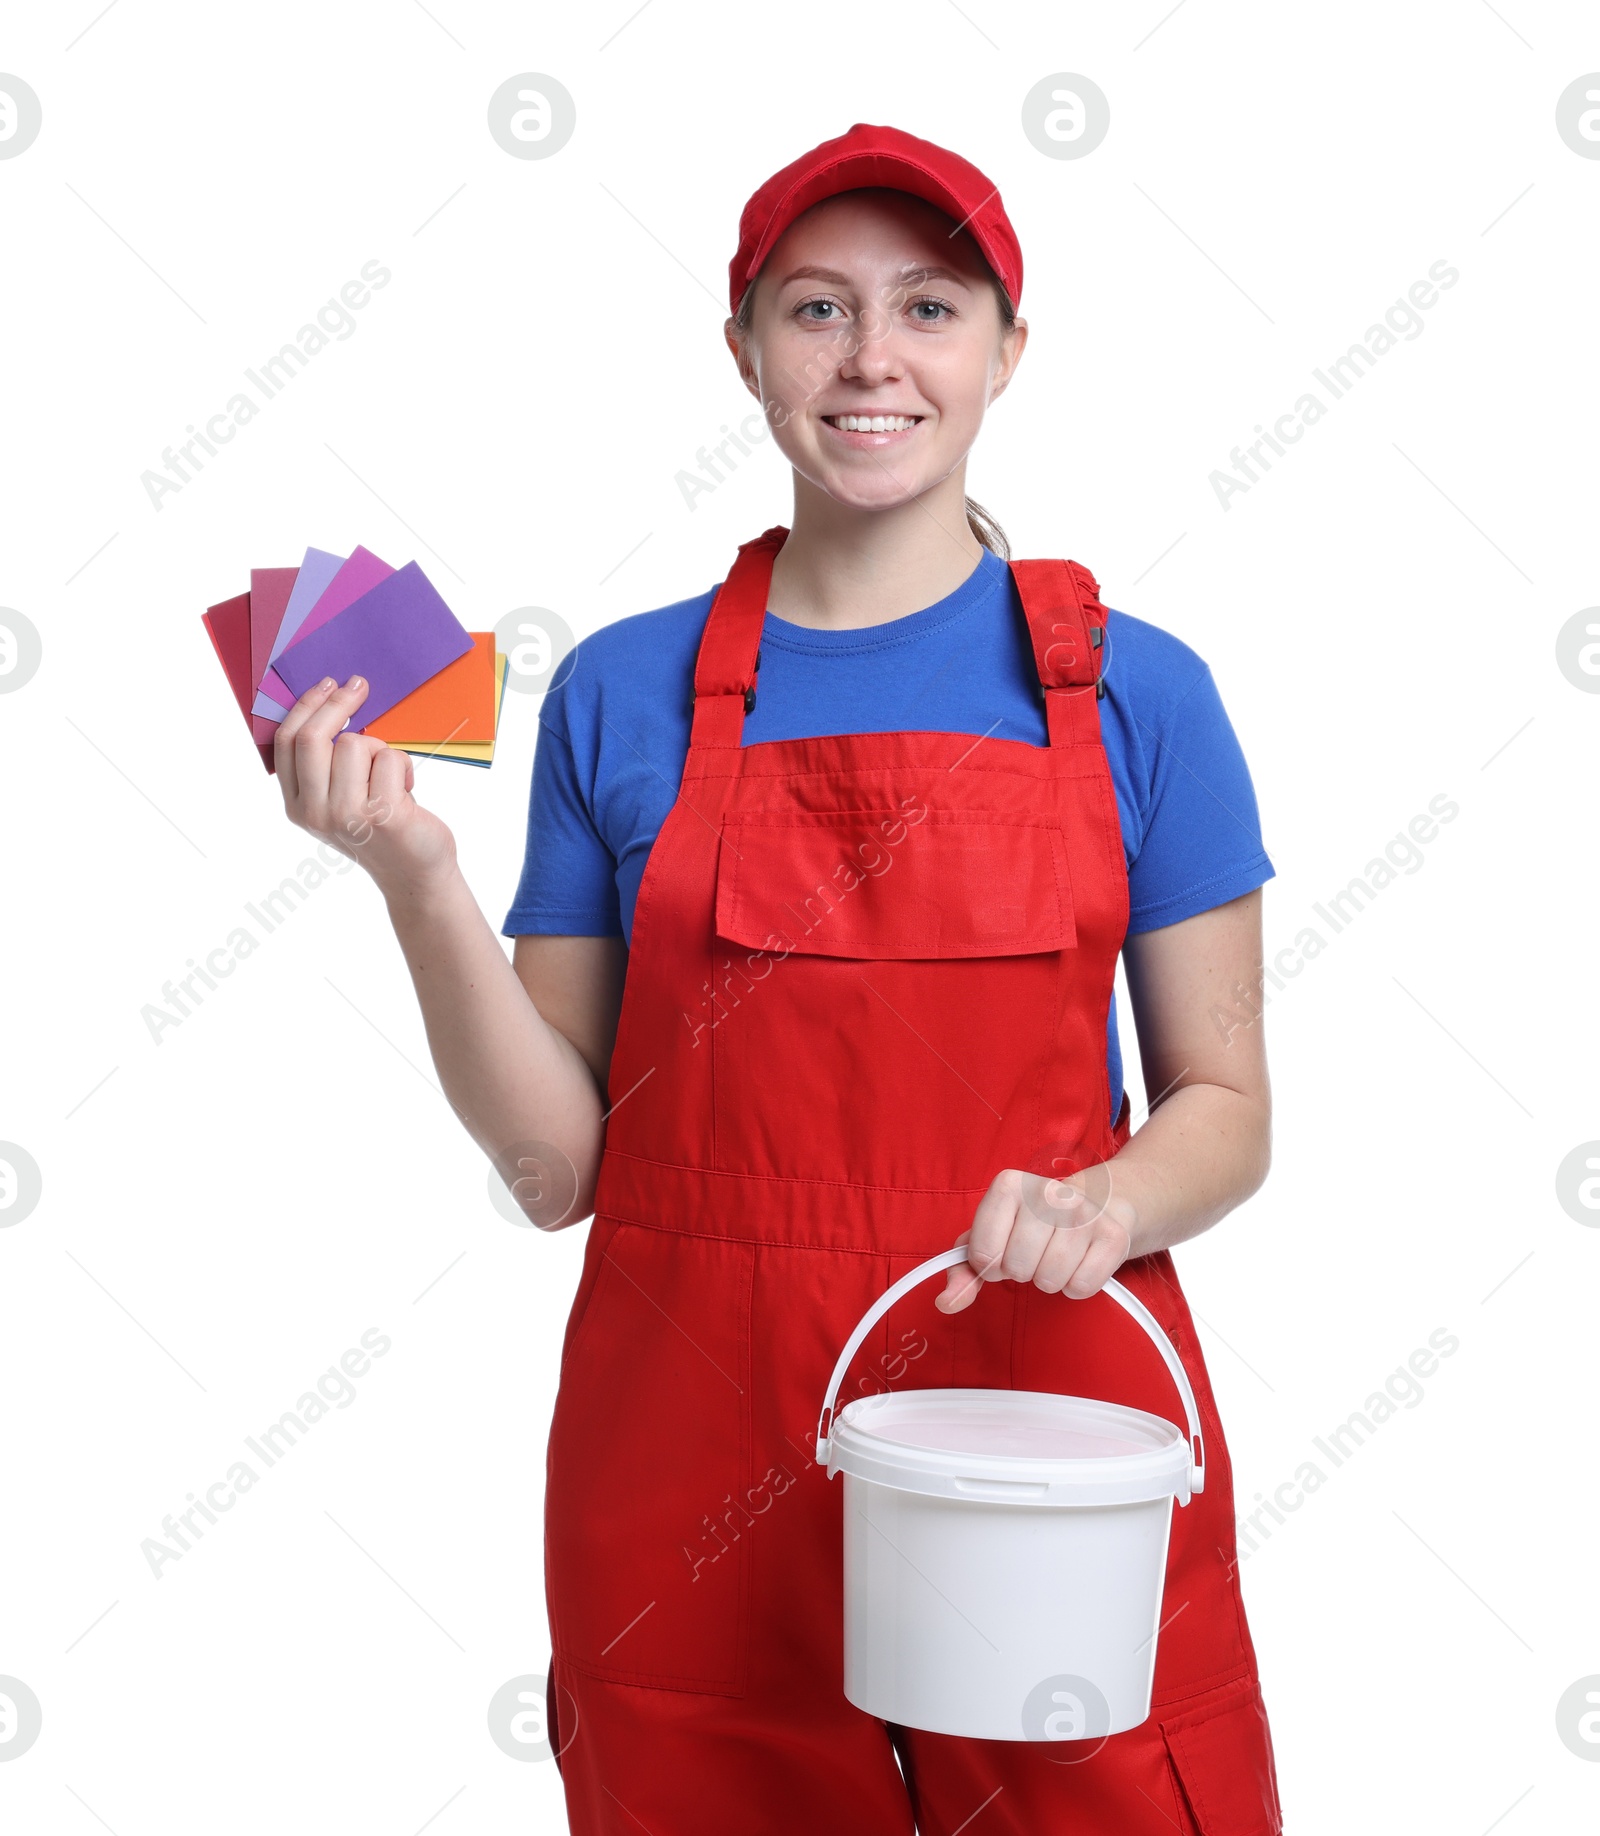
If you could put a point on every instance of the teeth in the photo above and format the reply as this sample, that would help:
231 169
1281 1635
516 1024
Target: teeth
873 423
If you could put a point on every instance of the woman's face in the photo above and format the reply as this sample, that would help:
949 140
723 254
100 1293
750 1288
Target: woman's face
868 306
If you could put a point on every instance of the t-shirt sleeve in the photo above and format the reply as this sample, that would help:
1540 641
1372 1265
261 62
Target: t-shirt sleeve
1202 834
568 886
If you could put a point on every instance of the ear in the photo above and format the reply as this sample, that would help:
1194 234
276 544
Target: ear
1013 342
736 344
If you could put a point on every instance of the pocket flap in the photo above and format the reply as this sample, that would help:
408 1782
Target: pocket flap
869 883
1223 1757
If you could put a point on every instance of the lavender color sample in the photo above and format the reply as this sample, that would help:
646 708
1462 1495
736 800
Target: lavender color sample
315 577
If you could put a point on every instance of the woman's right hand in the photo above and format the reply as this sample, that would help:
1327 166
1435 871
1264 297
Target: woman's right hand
354 792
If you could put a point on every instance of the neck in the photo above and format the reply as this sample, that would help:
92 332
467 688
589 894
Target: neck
842 567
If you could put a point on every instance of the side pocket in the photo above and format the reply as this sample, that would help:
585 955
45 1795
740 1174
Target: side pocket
1221 1750
650 1436
601 1231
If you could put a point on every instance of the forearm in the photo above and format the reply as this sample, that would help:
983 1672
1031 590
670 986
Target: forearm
1204 1150
509 1075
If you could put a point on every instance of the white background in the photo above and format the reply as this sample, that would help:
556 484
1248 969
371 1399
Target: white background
225 1212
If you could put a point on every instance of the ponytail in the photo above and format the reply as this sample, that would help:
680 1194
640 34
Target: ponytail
987 530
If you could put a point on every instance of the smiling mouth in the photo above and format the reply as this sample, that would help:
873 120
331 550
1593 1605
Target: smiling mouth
874 426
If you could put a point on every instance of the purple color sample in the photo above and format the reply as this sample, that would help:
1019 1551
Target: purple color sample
397 636
360 574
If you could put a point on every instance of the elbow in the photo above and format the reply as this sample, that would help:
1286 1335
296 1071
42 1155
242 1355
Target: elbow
1258 1155
544 1186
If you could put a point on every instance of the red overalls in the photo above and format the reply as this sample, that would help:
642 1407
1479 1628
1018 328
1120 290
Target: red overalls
867 973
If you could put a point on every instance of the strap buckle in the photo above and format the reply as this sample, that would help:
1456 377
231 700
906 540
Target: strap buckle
749 694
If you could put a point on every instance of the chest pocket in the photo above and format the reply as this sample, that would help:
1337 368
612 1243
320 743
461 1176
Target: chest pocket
865 884
887 991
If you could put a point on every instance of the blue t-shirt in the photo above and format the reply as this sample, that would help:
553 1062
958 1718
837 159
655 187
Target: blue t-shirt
614 734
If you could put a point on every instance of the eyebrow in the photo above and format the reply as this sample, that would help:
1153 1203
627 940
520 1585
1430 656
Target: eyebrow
911 268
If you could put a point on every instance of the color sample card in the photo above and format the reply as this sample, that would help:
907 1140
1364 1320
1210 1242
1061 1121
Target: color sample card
435 689
315 577
397 636
456 704
228 625
270 588
472 752
359 574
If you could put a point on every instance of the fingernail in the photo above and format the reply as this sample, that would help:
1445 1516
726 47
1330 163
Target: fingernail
354 682
326 683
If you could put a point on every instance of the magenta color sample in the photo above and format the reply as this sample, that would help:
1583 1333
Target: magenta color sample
360 574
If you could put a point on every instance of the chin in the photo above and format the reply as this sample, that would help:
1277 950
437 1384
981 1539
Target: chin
858 500
879 492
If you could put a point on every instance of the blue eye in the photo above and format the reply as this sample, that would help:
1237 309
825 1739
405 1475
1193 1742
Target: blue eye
941 310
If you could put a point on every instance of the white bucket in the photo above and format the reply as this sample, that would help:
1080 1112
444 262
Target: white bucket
1005 1550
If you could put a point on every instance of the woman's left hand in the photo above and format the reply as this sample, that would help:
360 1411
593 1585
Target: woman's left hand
1064 1235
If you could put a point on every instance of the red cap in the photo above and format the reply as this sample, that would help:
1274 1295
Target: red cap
877 156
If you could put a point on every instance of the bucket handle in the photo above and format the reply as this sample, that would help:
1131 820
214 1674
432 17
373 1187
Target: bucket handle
947 1259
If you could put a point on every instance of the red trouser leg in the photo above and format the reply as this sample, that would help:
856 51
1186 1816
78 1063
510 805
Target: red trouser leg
678 1764
1203 1768
694 1550
982 1789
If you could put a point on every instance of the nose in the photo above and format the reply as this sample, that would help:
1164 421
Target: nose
874 352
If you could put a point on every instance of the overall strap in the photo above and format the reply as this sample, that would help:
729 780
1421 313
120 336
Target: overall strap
1067 623
730 645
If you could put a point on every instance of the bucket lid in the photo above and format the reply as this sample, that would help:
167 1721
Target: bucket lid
1026 1447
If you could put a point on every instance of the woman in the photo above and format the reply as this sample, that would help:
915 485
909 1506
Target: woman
827 874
